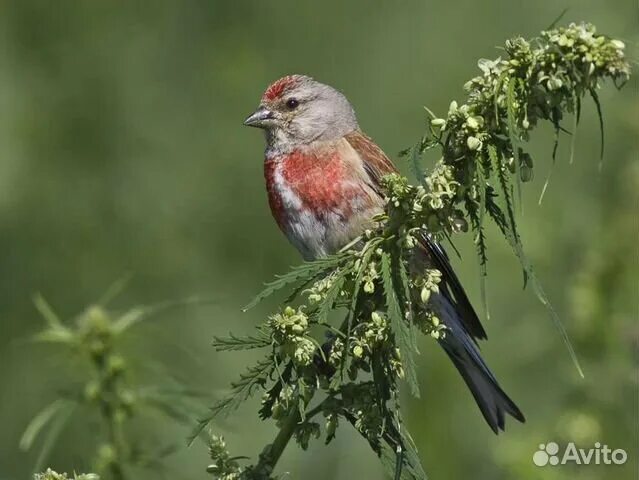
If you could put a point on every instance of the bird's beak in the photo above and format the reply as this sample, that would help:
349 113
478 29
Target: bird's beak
261 118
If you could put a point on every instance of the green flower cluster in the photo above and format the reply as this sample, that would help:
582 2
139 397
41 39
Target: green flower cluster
482 140
223 467
289 330
539 80
51 475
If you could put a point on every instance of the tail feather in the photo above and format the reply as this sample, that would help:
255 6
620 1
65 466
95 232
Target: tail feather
463 351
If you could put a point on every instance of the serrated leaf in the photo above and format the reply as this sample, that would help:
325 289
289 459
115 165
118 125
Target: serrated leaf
402 331
513 133
241 390
331 295
234 342
306 271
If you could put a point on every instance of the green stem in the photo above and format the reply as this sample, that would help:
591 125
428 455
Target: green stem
115 465
272 453
107 410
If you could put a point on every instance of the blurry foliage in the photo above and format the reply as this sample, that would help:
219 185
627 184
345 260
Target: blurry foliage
108 389
121 149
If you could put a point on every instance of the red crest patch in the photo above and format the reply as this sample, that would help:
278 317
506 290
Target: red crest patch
277 88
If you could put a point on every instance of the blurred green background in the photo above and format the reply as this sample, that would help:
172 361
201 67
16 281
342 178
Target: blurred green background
122 150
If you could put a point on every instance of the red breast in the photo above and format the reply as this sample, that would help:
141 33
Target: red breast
312 180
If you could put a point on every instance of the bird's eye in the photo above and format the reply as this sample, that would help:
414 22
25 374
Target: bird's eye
292 103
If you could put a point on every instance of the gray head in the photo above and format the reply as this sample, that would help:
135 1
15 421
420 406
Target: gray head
297 110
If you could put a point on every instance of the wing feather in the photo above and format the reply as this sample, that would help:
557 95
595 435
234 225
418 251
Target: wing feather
376 164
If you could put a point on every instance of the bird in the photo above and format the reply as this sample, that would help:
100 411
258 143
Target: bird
323 182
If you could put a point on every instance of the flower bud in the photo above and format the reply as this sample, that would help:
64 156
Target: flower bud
459 225
474 122
554 83
369 287
92 391
525 173
618 44
116 365
473 143
425 295
314 298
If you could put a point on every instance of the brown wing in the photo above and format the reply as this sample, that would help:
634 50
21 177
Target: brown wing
376 163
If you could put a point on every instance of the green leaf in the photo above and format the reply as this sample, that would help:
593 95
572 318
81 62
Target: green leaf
47 312
41 420
331 295
554 159
481 240
403 334
367 252
557 19
575 124
415 163
541 295
399 455
306 271
138 314
249 342
513 133
56 335
115 289
501 222
56 425
595 98
509 229
241 390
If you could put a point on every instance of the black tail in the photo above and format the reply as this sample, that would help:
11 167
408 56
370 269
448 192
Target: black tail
463 329
464 353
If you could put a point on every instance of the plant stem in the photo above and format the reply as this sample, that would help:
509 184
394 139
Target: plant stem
272 453
108 412
115 467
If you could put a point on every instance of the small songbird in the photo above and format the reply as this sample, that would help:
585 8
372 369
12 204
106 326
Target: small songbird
323 184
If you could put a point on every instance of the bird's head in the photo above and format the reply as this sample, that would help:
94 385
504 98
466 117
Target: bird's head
297 110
